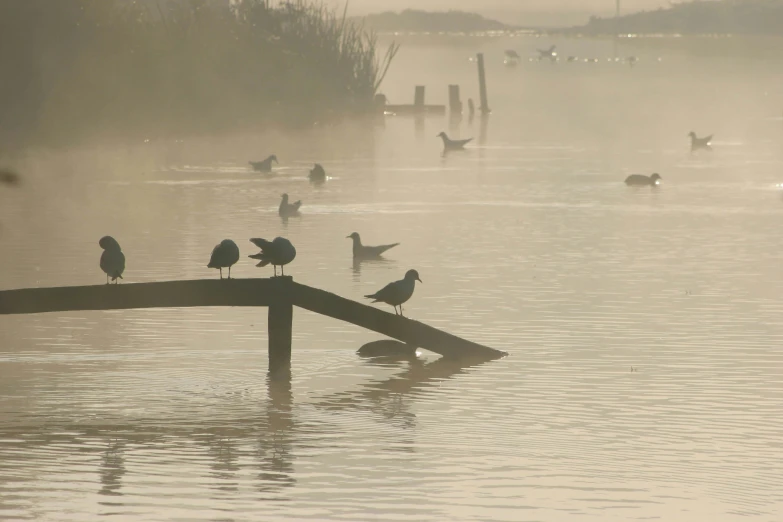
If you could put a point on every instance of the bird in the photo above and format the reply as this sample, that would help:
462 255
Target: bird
317 174
397 292
700 143
265 165
224 255
9 177
287 209
641 179
278 252
547 53
449 144
367 252
112 259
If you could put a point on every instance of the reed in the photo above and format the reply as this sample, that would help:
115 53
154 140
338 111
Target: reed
81 69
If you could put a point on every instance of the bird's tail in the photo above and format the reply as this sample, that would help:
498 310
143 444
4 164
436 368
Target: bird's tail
371 296
260 256
262 263
384 248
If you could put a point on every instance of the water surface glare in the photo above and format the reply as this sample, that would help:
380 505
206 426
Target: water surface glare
643 325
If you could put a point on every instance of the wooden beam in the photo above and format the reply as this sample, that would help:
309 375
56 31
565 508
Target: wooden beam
168 294
394 326
404 110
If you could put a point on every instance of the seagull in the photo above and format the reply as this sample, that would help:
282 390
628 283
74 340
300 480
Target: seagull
263 166
547 53
700 143
641 179
449 144
277 252
223 256
288 209
317 174
397 292
112 259
511 53
367 252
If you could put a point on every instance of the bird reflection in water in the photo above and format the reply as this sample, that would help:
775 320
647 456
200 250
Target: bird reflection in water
112 469
392 398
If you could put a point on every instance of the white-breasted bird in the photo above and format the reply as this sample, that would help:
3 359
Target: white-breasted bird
398 292
224 255
278 252
700 143
449 144
361 251
112 259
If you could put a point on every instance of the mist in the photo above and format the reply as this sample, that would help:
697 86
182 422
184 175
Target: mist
261 261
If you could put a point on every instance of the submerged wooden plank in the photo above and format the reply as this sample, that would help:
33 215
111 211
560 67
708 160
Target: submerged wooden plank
168 294
394 326
404 110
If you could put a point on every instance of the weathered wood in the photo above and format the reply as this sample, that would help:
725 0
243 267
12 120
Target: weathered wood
455 104
280 294
394 326
416 109
418 96
168 294
484 108
280 325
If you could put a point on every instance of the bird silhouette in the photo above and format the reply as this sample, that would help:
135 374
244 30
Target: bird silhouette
317 174
278 252
264 165
361 251
112 259
449 144
700 143
397 292
642 180
224 255
287 209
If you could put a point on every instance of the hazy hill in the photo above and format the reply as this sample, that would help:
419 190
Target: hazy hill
415 21
756 17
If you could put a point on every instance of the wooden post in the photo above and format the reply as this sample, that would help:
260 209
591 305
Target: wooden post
281 316
455 104
484 108
418 98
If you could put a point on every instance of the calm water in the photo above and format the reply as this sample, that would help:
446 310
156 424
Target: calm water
529 242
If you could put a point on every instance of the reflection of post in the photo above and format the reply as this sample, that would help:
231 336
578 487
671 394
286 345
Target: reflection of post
277 467
112 469
281 316
484 107
418 99
483 129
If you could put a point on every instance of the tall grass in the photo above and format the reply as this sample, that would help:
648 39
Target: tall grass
81 69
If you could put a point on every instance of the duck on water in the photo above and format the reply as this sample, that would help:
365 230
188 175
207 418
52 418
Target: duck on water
397 292
264 165
449 144
287 209
361 251
640 180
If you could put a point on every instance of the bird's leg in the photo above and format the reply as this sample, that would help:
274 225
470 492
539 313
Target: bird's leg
229 272
221 272
275 267
395 310
282 270
107 279
401 311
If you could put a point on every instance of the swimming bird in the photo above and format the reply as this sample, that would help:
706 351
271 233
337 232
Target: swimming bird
8 177
547 53
278 252
449 144
287 209
265 165
397 292
223 256
700 143
642 180
112 259
317 174
367 252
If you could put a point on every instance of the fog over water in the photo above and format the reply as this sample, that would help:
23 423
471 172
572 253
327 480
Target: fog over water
643 324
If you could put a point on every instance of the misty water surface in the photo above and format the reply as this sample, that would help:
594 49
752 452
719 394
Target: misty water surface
528 242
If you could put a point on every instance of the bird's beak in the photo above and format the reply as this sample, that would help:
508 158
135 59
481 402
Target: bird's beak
347 237
419 280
